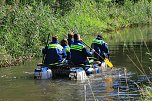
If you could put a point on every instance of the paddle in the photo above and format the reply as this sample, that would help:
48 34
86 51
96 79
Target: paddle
44 55
105 60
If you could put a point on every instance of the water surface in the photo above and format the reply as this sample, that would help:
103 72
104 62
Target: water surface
130 54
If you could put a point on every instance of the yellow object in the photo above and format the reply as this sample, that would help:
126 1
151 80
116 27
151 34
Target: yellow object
149 90
108 63
105 60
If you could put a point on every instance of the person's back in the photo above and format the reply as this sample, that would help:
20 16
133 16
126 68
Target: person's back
79 53
66 47
100 47
53 52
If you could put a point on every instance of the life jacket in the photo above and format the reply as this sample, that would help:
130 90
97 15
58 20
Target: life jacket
67 49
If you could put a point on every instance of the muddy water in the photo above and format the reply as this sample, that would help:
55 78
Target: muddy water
130 53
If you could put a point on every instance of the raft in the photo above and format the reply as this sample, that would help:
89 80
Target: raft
73 72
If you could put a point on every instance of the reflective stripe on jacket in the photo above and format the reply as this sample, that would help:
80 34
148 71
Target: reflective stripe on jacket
98 41
67 48
78 46
58 46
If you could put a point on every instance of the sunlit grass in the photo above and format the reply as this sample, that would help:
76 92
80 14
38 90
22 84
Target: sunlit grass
24 27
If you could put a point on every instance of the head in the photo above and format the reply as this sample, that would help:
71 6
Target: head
99 36
77 37
54 38
64 42
70 35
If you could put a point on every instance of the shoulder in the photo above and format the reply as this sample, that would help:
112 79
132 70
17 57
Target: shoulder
66 46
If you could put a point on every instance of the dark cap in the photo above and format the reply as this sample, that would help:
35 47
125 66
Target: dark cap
76 36
70 35
99 36
54 38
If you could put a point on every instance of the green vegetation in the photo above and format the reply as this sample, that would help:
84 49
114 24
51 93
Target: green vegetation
25 24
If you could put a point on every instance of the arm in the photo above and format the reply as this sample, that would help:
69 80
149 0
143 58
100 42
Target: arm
86 52
44 50
106 52
64 53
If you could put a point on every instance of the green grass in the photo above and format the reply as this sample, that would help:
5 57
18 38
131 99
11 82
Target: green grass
24 26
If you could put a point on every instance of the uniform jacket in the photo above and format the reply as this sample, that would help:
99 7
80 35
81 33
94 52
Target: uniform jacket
101 48
53 52
79 53
67 49
70 41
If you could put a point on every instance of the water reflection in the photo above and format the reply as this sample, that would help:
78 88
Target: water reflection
109 88
59 90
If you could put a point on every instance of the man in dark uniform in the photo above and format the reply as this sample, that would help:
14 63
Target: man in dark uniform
78 51
53 52
101 48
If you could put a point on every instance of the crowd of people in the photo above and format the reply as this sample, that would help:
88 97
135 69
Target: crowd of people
74 50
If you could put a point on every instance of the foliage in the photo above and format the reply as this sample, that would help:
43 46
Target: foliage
25 24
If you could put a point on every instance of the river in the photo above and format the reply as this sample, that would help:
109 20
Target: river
130 54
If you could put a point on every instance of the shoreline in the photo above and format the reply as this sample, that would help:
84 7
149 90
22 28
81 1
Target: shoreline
21 59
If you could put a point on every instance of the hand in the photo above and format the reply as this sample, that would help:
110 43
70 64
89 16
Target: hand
92 50
81 40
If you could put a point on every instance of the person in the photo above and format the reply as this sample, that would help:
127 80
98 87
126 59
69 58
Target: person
70 38
66 47
53 52
78 51
100 47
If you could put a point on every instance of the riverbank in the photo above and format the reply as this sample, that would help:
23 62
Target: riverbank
8 61
25 26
